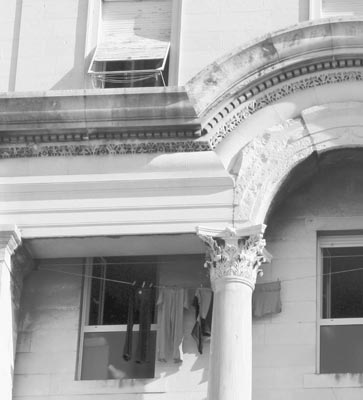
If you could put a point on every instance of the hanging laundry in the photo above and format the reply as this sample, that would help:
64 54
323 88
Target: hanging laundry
140 302
171 304
203 303
127 354
266 299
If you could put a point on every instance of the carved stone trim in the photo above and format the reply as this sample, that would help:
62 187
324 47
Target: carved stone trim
100 149
241 107
15 138
10 239
246 108
232 255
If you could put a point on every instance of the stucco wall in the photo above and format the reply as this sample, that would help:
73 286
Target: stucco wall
212 28
46 45
43 44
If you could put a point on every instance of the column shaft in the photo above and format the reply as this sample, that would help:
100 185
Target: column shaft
230 376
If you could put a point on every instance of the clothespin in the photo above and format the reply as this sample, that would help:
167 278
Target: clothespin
143 284
151 285
133 283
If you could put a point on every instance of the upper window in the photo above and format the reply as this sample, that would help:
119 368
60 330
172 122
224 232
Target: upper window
118 335
341 305
133 44
334 8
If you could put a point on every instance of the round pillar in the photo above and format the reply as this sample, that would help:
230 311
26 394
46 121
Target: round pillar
234 258
230 373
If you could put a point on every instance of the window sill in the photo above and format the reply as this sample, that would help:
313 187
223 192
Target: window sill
348 380
123 386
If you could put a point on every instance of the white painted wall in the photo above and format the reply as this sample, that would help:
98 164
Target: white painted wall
213 28
47 44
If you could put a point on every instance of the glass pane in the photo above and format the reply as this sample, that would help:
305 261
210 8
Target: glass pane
343 282
103 357
341 349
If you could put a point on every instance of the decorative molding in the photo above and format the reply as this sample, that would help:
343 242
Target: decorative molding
100 149
15 138
231 255
243 108
266 161
10 240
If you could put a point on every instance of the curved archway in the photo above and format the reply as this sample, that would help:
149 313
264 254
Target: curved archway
268 107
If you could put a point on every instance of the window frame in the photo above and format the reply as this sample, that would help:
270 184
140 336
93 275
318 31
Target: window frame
316 10
85 328
329 242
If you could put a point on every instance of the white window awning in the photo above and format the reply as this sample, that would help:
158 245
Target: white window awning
133 31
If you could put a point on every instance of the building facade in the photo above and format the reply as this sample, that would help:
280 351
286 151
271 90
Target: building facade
168 163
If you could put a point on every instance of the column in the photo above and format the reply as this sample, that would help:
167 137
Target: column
9 241
234 257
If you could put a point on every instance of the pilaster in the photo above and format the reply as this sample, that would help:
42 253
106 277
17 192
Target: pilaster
9 241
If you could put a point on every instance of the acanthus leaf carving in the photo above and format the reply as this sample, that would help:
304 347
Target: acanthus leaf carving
234 256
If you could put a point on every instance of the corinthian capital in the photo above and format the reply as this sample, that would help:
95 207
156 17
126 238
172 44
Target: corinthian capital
234 252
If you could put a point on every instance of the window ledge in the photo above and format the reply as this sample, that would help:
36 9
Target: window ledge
123 386
348 380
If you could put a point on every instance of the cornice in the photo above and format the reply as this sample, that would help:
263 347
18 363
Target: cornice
277 87
76 115
100 149
165 120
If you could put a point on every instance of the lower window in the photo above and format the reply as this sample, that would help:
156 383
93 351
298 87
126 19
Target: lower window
118 334
341 305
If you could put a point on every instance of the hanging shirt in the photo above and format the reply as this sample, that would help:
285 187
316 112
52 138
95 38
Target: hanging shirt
266 299
171 304
203 303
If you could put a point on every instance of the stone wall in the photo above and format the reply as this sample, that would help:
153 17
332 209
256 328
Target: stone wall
284 345
46 359
212 28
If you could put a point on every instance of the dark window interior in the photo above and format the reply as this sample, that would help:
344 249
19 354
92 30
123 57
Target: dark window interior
141 73
341 349
343 282
109 298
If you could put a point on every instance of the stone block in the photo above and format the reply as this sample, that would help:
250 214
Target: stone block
290 334
45 363
31 385
54 340
284 356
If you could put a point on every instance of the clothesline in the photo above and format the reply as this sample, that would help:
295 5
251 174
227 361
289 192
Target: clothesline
134 283
144 283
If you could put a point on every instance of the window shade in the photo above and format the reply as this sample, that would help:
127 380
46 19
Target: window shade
351 8
134 30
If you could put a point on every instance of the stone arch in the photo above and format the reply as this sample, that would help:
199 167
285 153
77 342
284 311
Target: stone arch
267 107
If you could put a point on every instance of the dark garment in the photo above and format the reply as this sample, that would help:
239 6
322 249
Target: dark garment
140 308
144 301
203 323
127 354
266 299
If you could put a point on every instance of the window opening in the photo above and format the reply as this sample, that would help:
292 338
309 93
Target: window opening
133 45
341 310
106 314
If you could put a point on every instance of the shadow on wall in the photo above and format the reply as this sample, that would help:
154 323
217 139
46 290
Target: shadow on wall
75 78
